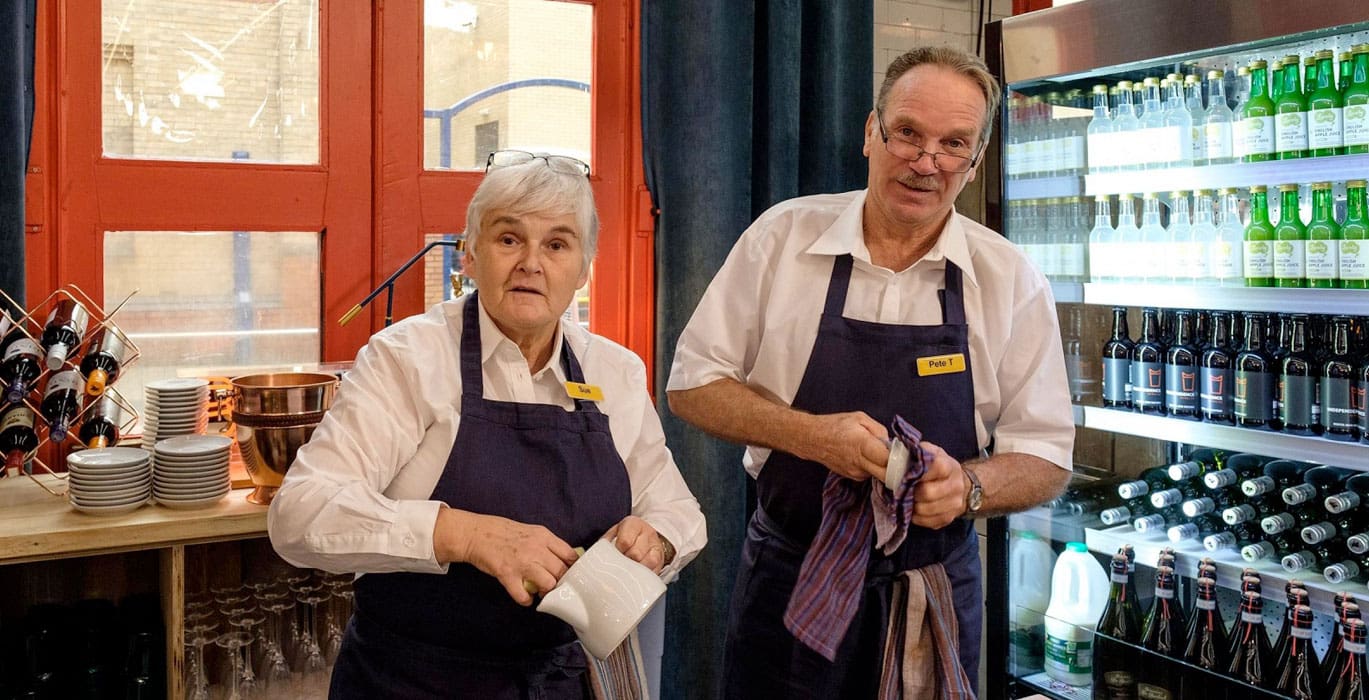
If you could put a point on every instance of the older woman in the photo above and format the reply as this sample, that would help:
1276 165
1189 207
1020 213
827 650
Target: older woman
472 448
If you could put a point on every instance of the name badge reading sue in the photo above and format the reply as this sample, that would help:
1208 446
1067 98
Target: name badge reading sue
940 364
586 392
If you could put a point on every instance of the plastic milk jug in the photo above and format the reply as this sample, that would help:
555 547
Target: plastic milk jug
1079 590
1030 560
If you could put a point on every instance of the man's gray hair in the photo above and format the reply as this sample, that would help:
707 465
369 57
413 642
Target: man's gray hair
961 62
535 188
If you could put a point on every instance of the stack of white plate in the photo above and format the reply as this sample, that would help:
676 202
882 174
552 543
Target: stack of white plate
109 480
191 471
175 407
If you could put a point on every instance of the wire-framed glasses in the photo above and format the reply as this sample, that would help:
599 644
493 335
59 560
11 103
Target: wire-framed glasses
561 164
955 160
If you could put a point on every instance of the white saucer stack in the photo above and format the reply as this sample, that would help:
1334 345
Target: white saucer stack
191 471
175 407
109 480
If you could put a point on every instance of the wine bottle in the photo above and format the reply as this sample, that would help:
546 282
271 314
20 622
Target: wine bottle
1237 468
1148 366
19 367
1272 547
1253 400
1176 495
17 436
1214 502
1355 493
1317 484
1161 632
1250 581
1117 362
100 428
1350 680
1249 657
1346 609
1114 662
61 402
1147 482
1122 514
1217 398
1199 463
1315 557
63 330
1333 526
1206 642
1253 511
1296 595
1298 382
1297 673
1338 418
1197 528
1181 370
103 359
1159 522
1234 537
1278 475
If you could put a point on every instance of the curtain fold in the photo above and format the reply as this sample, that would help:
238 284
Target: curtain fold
17 23
745 104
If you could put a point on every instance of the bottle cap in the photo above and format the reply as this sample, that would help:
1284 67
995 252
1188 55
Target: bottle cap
1288 188
1355 183
1324 53
1258 64
1258 188
57 356
1076 547
1318 186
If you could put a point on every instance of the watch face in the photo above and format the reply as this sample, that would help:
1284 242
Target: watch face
976 499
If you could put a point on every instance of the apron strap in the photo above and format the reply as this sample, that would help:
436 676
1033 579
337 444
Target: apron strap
472 376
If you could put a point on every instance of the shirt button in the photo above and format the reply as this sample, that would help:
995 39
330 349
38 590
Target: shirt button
410 541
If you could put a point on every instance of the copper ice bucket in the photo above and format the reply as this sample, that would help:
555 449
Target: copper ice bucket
274 415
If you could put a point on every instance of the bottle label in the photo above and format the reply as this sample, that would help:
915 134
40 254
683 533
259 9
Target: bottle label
1353 265
1325 130
1148 385
1337 410
1068 656
1119 578
69 380
1071 260
1014 159
1098 151
1252 618
1321 260
1226 260
19 417
1205 604
1166 593
1181 389
1302 632
1254 396
1239 149
1259 135
1119 685
1290 259
1357 401
1146 691
1218 140
1356 121
1199 141
1296 401
23 346
1258 261
1166 144
1353 647
1291 131
1116 380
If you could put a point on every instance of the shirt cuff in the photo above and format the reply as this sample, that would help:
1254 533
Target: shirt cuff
1063 458
412 534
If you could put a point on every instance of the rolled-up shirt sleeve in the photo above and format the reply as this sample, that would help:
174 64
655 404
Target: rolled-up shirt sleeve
331 512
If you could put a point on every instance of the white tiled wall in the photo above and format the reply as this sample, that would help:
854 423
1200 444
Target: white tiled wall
902 24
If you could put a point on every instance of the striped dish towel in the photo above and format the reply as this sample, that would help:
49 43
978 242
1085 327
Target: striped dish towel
832 576
921 650
621 676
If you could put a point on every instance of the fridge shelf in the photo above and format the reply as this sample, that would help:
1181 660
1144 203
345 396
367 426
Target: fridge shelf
1352 302
1300 171
1307 448
1106 541
1044 187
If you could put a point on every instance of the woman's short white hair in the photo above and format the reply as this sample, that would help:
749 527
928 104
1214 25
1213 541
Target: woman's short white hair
535 188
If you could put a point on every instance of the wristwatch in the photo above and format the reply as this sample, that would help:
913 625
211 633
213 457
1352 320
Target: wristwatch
667 550
974 500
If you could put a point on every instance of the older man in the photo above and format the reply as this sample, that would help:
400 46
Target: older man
924 314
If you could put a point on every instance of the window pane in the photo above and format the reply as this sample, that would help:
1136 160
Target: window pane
505 74
441 268
209 301
211 80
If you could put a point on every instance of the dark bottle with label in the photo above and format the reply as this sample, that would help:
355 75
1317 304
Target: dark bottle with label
21 364
1338 418
17 436
103 359
100 427
1346 609
1317 484
1298 382
1234 537
1295 594
1181 369
1297 674
1114 661
1350 679
63 330
1148 366
61 402
1117 362
1254 390
1249 657
1206 643
1217 399
1162 632
1276 345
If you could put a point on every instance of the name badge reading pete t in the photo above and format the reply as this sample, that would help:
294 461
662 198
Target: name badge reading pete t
940 364
587 392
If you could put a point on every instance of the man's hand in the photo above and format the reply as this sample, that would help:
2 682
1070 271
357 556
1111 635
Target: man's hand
510 551
852 445
639 541
939 497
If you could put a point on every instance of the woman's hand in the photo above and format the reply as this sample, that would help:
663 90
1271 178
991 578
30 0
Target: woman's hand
510 551
640 542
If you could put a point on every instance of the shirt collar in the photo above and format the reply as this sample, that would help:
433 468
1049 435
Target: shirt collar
846 235
493 340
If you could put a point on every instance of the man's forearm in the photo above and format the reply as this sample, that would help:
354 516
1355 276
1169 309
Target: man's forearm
732 411
1016 481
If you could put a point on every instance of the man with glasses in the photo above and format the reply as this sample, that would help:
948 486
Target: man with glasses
835 313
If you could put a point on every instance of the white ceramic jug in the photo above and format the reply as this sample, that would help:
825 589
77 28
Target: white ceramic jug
604 595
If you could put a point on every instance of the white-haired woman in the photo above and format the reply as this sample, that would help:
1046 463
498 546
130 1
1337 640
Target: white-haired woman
462 463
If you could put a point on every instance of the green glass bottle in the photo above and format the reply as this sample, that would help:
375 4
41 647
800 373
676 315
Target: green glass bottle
1310 69
1354 233
1356 113
1257 117
1290 108
1347 67
1259 239
1325 132
1323 240
1290 241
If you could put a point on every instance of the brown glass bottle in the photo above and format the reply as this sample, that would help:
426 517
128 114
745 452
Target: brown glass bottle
1254 396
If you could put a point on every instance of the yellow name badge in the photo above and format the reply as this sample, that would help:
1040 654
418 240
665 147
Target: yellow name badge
940 364
586 392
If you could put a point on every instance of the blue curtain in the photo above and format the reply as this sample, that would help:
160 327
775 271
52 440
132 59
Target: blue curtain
17 19
745 104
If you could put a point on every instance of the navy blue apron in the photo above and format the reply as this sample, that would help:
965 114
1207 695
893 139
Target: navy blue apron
460 634
855 366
